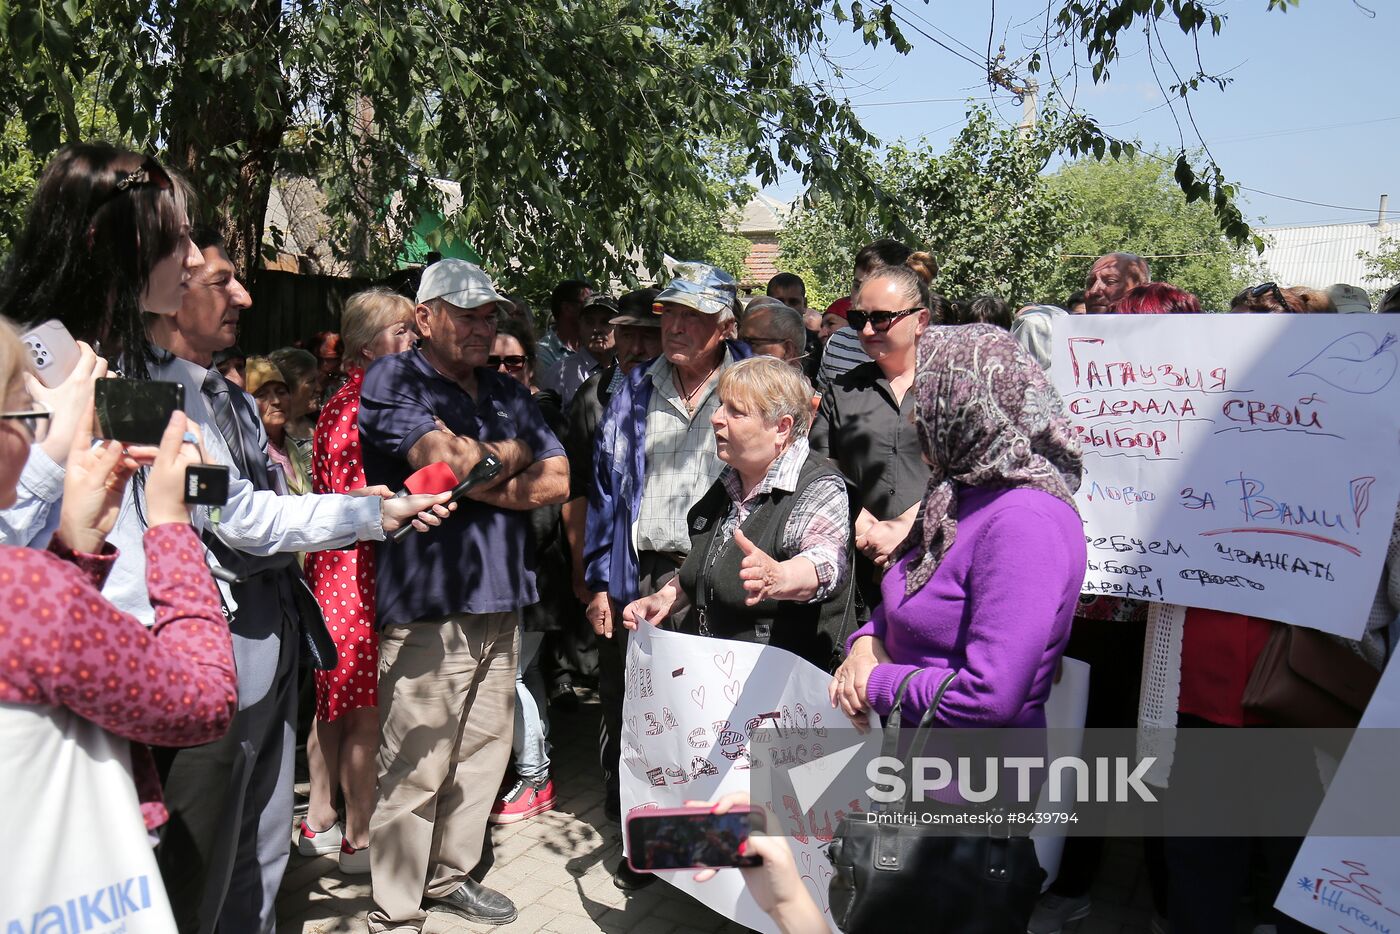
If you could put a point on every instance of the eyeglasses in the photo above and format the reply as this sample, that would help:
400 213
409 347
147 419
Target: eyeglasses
755 341
510 361
879 320
35 422
1263 287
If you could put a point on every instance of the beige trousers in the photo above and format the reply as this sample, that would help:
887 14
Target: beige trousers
446 715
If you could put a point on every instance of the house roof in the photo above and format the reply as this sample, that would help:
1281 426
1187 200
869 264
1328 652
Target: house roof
1320 255
764 214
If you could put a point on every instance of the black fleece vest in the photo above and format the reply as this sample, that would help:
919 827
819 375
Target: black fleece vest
710 577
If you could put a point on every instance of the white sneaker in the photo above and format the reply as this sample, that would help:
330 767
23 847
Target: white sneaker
353 862
320 842
1053 912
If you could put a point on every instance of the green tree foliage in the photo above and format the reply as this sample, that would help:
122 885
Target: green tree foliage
19 170
1382 266
997 224
705 225
1131 204
575 128
983 209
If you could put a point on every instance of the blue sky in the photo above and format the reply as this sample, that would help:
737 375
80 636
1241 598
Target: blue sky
1312 112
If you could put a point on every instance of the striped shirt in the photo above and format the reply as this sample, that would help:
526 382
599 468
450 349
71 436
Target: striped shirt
843 353
680 458
818 528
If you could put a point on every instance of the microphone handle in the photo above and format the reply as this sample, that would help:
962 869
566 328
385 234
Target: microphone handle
485 470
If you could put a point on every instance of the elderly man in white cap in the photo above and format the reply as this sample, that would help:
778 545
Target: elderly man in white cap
449 601
654 458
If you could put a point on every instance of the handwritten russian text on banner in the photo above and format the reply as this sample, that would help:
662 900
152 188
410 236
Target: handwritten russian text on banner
691 704
1240 462
1346 885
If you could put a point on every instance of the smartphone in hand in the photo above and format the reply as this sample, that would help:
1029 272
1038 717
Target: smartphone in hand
691 838
135 411
52 352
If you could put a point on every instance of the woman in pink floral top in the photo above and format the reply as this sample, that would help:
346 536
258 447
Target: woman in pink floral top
62 645
345 736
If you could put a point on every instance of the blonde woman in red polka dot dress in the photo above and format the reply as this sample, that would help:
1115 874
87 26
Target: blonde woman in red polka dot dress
345 737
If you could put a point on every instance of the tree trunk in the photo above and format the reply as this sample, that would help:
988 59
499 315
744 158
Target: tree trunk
217 135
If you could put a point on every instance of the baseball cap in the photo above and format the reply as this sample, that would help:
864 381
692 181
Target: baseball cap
457 282
840 308
1349 298
700 286
601 301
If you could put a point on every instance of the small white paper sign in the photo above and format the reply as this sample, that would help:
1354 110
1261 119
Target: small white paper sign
1350 885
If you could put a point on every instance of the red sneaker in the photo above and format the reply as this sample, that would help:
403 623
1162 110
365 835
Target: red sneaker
522 801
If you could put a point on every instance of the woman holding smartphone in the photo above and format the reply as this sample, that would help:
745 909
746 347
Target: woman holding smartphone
107 237
82 677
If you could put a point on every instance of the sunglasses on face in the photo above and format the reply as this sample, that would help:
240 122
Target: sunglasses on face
879 320
509 361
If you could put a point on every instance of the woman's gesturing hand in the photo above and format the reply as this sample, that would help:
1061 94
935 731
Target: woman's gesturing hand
761 573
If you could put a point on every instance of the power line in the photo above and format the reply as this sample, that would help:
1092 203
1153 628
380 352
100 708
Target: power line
934 26
1318 204
943 45
926 100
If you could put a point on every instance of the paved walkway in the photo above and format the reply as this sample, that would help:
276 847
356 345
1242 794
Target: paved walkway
556 869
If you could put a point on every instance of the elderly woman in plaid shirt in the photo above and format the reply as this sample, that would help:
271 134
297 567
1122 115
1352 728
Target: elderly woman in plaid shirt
769 542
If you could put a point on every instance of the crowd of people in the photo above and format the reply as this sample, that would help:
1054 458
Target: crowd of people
830 482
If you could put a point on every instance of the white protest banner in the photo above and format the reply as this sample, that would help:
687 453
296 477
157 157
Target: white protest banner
691 706
1240 462
691 703
1347 885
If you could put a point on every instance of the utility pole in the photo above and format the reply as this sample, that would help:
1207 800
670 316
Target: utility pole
1029 96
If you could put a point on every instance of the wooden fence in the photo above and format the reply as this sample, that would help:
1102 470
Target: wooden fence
289 307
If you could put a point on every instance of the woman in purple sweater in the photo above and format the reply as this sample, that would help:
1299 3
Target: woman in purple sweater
983 591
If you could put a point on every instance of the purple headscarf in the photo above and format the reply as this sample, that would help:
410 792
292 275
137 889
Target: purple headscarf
988 417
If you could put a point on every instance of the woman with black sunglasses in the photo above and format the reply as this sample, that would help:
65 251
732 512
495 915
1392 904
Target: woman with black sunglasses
531 791
864 423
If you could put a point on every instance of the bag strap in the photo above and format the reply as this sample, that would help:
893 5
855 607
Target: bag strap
925 727
890 744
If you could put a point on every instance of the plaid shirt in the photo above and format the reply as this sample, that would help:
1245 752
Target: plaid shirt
681 459
819 527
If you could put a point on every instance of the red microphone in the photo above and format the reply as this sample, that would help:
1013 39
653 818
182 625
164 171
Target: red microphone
434 478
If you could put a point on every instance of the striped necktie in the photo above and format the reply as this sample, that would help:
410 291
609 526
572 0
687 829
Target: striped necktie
241 437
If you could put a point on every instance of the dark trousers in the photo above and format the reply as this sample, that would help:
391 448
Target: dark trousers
223 851
1114 653
655 569
1208 877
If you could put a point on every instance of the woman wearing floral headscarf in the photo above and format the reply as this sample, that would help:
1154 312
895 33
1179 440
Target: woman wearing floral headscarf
983 589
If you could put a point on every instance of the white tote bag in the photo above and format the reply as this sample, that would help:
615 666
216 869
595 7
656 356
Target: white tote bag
77 855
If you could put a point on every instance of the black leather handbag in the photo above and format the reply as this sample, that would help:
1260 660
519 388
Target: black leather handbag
892 872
